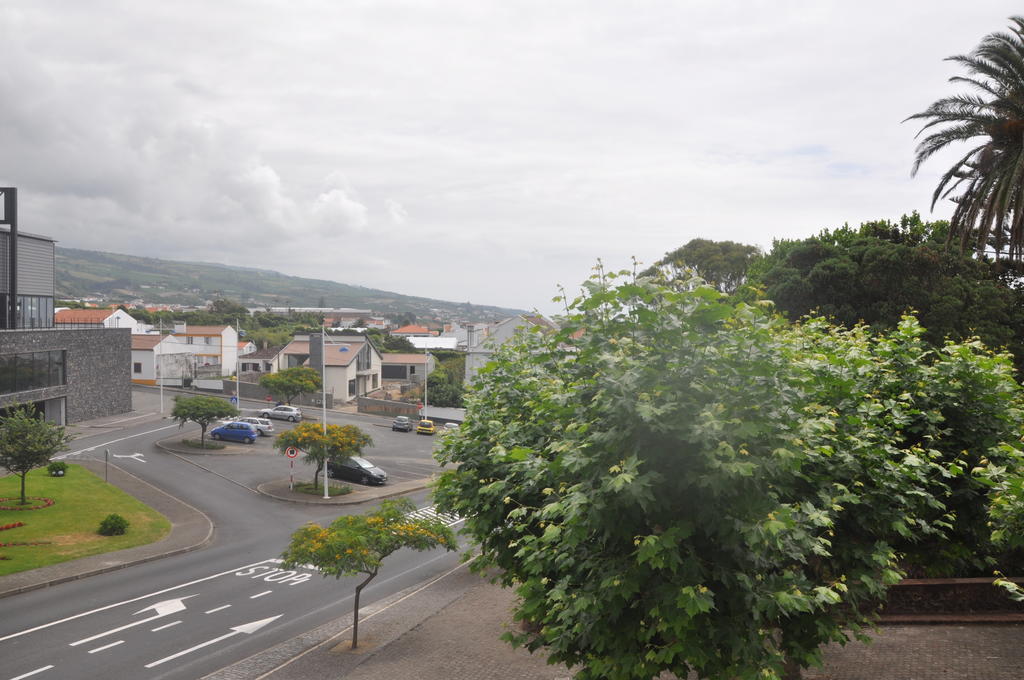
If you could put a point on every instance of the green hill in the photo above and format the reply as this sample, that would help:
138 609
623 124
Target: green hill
123 278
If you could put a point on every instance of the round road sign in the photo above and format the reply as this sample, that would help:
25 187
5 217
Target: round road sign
291 452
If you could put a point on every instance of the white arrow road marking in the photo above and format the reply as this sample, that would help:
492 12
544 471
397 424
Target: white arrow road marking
133 456
112 441
247 628
165 608
135 599
31 673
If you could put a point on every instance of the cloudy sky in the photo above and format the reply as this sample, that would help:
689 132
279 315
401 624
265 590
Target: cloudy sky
480 150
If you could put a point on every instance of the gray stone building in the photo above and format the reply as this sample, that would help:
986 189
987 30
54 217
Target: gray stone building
67 374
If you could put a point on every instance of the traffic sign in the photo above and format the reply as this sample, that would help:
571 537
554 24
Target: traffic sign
291 452
234 399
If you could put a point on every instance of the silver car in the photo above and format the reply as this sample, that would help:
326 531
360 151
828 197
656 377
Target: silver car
282 412
264 426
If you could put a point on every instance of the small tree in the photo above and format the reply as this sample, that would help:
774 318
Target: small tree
340 442
201 410
358 544
28 442
291 382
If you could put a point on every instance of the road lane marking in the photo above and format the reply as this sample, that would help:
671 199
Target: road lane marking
112 441
166 625
112 644
134 599
217 609
31 673
162 609
247 628
265 592
133 456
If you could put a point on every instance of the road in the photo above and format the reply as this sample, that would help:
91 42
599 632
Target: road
191 614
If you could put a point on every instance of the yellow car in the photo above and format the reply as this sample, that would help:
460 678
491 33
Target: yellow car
425 427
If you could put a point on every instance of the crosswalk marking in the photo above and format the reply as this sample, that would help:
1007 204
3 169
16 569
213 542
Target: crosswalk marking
430 512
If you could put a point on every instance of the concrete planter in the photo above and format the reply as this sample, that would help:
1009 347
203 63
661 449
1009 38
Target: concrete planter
951 600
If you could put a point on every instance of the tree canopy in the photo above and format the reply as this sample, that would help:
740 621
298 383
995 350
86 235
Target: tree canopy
291 382
28 442
882 270
339 443
201 410
987 183
723 264
359 544
675 481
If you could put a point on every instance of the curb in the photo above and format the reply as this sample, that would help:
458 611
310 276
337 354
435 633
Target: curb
361 496
43 580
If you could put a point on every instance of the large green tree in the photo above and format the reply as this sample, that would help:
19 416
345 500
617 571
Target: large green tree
201 410
723 264
28 442
359 544
291 382
883 269
677 482
986 183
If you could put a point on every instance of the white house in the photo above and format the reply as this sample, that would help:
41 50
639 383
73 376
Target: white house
160 356
213 345
351 364
95 318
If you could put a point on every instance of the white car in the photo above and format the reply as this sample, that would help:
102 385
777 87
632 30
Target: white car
264 426
283 412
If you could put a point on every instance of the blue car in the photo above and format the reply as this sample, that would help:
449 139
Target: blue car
236 432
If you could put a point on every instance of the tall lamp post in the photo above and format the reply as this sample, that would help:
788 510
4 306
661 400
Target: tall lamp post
323 396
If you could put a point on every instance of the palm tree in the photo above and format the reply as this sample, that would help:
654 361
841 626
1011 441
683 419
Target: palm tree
987 183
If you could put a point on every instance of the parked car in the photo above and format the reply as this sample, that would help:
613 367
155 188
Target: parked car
282 412
401 424
236 432
451 426
357 469
262 425
425 427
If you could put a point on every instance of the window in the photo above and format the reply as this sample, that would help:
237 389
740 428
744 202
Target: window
352 386
137 367
31 371
412 370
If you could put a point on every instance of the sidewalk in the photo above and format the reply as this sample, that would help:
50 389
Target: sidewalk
450 630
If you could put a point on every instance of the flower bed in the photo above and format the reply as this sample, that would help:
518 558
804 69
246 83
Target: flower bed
12 525
47 502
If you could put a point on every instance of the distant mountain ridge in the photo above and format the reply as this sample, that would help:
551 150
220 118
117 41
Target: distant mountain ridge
122 278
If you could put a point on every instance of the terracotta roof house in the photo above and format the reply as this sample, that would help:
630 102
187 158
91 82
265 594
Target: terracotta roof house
212 344
95 318
412 330
352 365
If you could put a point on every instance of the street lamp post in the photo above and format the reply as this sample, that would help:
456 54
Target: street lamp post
323 397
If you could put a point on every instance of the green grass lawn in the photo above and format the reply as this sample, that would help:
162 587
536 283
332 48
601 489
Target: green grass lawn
69 526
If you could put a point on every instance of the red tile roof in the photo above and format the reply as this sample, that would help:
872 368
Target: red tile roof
82 315
146 341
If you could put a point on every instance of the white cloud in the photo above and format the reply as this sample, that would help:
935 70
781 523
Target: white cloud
527 139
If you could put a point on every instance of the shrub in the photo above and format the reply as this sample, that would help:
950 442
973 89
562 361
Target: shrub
57 468
113 525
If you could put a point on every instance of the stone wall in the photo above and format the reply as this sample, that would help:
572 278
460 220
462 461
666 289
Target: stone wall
97 369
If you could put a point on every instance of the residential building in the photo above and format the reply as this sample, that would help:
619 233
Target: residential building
484 343
69 375
266 360
413 330
213 345
351 364
161 359
403 367
95 318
